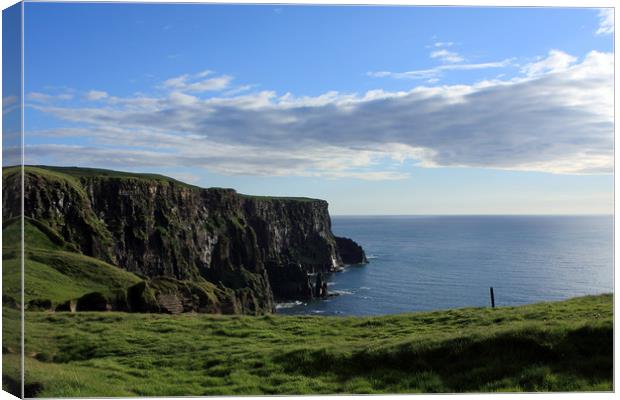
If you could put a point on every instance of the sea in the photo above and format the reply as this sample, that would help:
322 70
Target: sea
423 263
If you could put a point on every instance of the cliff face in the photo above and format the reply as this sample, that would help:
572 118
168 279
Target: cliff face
153 226
294 238
351 252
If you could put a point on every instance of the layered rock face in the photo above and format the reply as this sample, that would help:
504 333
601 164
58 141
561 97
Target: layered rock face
260 248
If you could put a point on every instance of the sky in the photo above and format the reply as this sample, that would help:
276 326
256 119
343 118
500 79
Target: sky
378 110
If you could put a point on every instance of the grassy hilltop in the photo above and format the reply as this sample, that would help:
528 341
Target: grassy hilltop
563 346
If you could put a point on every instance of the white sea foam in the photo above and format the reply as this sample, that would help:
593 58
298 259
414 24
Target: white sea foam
289 305
341 292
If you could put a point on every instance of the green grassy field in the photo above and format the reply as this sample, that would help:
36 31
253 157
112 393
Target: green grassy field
563 346
53 269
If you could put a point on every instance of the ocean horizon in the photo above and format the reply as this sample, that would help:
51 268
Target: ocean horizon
471 215
433 262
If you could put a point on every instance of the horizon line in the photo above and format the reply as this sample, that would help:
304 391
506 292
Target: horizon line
476 215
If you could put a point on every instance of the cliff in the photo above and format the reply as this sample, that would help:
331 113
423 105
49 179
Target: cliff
350 252
258 248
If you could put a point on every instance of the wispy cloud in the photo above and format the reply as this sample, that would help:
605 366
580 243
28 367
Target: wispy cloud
197 83
10 103
606 21
437 71
447 56
44 97
557 120
239 89
96 95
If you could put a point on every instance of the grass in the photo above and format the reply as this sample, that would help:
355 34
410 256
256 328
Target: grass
562 346
52 269
79 172
76 173
281 198
51 174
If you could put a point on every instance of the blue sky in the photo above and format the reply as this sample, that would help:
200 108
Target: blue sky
11 84
379 110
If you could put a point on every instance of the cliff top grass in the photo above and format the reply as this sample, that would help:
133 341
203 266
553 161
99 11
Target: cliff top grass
279 198
561 346
82 172
48 174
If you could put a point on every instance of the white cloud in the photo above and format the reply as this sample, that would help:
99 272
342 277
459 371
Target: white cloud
443 44
219 83
176 82
556 61
240 89
558 119
96 95
437 71
10 103
447 56
606 21
204 73
44 97
195 83
177 98
10 99
36 96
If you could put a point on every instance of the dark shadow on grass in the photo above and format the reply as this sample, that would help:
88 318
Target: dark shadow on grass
470 364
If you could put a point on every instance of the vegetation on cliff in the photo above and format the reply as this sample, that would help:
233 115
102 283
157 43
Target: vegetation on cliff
562 346
52 271
57 277
218 250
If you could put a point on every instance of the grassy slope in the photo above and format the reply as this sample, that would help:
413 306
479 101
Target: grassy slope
52 271
560 346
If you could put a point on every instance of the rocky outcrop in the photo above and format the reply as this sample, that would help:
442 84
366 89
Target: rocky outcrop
350 252
320 287
94 301
253 249
168 295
